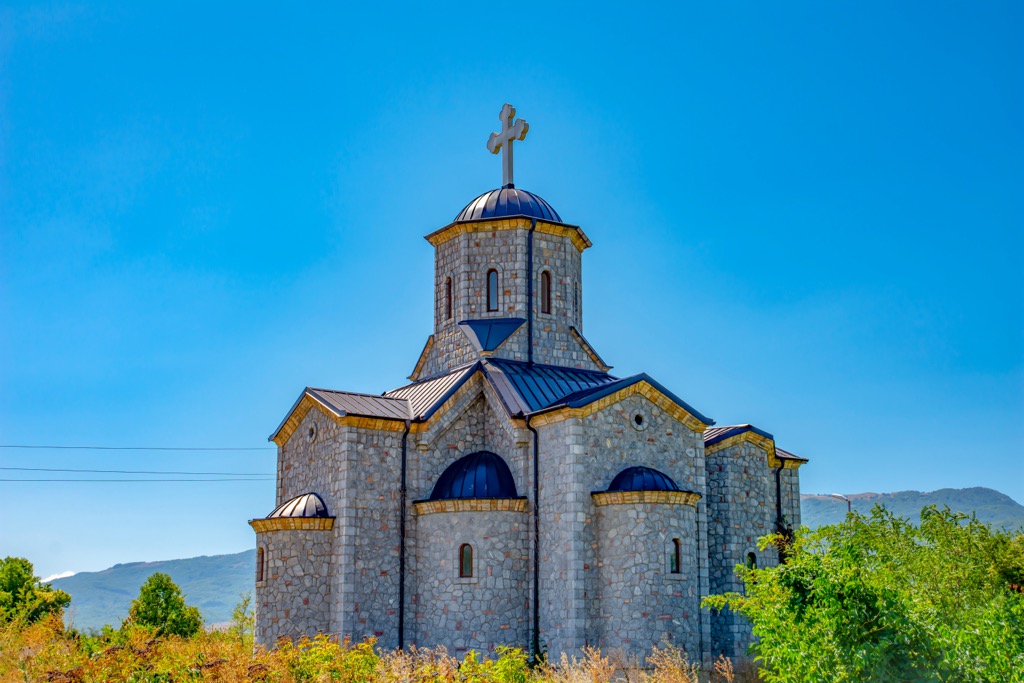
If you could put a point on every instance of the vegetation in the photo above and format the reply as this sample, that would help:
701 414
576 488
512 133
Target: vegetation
46 651
161 607
880 599
23 598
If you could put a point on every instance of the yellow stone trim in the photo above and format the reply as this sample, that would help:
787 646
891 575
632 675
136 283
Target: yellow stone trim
633 497
766 445
430 507
574 233
788 464
308 402
418 370
585 345
642 388
262 526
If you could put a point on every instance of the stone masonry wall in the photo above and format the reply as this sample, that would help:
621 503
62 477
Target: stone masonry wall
577 460
293 598
642 603
741 508
483 611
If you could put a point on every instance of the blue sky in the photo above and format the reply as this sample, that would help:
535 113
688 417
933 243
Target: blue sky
807 216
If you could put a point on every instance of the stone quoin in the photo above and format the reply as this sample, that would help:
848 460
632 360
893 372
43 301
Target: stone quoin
515 492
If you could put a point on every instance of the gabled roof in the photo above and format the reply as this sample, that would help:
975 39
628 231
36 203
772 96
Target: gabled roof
713 435
523 389
786 455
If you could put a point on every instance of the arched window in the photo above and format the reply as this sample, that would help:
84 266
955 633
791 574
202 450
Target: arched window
545 292
448 299
675 557
492 290
465 561
575 300
259 565
751 561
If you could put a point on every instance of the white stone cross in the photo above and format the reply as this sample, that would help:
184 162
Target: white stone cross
503 141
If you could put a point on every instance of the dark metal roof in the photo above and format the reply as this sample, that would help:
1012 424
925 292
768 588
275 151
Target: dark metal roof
713 435
477 475
428 394
365 405
786 455
526 387
642 479
508 201
306 505
490 333
595 393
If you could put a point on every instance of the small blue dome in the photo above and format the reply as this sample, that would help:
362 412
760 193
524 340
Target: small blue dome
642 479
306 505
478 475
508 201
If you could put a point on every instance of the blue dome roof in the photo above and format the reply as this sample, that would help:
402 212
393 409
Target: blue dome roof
306 505
478 475
508 201
642 479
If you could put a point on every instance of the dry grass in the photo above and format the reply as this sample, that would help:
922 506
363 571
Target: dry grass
46 652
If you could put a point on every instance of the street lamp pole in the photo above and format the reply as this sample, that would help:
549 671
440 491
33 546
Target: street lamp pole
849 503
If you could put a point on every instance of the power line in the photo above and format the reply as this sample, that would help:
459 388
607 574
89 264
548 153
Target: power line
138 448
53 469
133 481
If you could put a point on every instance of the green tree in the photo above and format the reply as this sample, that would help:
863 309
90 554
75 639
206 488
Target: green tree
243 620
161 606
880 599
23 596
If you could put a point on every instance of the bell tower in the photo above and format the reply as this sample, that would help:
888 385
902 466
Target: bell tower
508 278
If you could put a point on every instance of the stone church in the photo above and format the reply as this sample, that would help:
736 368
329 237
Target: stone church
515 492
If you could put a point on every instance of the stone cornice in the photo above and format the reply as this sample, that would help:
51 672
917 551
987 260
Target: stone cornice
424 354
292 523
430 507
589 350
766 445
573 232
602 498
644 389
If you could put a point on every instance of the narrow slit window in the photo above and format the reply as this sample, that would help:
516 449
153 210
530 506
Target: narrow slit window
545 292
675 557
448 299
575 300
751 561
465 561
492 290
259 564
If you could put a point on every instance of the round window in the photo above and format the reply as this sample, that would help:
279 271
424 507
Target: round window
639 421
311 434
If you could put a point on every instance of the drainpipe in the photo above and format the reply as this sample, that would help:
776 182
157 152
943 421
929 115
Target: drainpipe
401 534
529 297
535 646
780 527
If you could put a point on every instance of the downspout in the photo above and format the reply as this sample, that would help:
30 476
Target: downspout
529 299
401 534
535 646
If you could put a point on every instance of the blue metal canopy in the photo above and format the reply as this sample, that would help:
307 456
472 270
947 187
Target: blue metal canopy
479 475
642 479
490 333
508 201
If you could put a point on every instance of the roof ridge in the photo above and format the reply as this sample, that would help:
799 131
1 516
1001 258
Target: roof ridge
356 393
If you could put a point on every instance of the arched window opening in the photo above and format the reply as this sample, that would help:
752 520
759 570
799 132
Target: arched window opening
492 290
675 557
465 561
448 299
545 292
751 561
259 565
575 300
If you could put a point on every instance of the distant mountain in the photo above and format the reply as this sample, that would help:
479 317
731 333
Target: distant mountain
991 507
211 583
